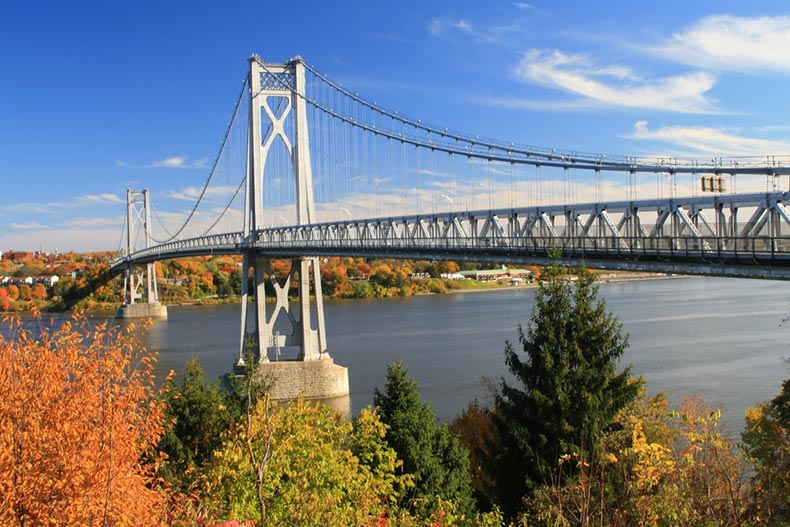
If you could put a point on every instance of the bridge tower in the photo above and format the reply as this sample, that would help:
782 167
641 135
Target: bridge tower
278 113
139 285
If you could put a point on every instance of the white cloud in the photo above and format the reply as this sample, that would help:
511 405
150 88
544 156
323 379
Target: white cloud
700 140
169 162
616 86
726 42
522 5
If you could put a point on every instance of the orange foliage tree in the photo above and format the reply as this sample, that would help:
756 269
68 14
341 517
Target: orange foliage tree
78 413
13 292
39 292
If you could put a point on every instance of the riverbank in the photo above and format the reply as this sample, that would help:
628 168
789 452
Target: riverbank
446 286
607 277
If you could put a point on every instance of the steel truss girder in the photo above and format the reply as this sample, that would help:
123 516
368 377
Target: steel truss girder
618 233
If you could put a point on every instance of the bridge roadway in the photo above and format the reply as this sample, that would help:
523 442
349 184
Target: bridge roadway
665 235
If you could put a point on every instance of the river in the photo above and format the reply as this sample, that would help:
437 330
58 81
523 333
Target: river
722 338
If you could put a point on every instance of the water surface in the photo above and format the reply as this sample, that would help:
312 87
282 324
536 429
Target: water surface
722 338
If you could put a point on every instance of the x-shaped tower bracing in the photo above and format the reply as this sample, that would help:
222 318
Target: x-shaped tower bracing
277 91
138 285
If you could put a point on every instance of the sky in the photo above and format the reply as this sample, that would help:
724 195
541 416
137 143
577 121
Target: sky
98 97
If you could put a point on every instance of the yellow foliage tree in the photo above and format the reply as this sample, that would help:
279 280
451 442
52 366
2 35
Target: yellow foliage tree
661 468
315 469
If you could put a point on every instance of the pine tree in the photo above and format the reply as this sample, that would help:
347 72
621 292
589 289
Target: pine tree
568 389
430 453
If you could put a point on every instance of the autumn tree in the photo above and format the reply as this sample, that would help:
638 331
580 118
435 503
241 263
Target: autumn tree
38 291
77 415
13 292
334 282
430 453
766 446
447 267
568 389
24 292
5 302
658 467
310 476
476 432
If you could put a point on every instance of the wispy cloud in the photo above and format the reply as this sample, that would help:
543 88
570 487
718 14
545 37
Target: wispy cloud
169 162
614 85
27 226
51 238
522 5
32 208
771 128
54 206
519 103
726 42
700 140
192 193
95 222
100 198
479 33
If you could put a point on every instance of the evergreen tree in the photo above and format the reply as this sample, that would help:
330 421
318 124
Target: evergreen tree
430 453
198 417
568 389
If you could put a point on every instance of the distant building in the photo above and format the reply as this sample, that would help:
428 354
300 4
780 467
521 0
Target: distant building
18 255
48 281
490 275
20 280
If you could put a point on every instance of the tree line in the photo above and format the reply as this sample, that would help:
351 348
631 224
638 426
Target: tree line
85 281
571 438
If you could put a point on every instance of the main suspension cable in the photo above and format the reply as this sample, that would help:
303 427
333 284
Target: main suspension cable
214 166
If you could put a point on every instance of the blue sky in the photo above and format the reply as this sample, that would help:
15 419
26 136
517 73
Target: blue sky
98 97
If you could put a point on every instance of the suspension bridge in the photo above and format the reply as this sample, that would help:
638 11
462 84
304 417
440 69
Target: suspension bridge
308 169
